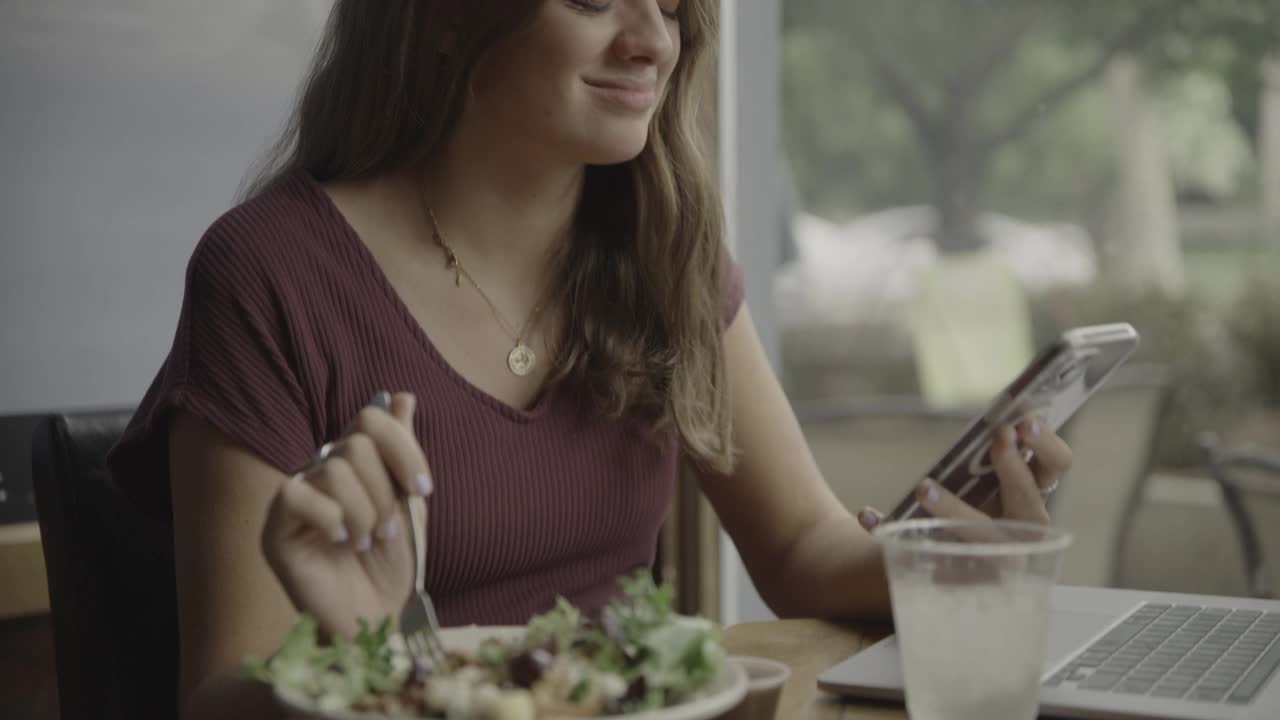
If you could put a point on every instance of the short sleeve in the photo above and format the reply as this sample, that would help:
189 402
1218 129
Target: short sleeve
233 362
732 287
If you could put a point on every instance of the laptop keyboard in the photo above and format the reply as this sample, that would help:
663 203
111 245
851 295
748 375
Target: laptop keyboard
1206 654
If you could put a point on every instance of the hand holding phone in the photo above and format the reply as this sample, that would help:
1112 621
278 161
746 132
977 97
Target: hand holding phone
1046 393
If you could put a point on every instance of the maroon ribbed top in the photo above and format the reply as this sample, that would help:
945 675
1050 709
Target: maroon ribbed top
289 326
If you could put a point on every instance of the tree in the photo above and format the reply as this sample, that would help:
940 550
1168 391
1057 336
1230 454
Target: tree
958 81
1269 148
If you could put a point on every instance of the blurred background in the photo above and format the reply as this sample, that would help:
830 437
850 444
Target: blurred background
962 180
922 193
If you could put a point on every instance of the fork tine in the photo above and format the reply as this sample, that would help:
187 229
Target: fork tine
421 645
429 652
432 644
432 629
438 647
422 630
415 647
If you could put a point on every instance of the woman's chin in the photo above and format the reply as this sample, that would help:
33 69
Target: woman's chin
616 150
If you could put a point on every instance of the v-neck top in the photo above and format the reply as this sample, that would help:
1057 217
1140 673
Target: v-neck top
289 325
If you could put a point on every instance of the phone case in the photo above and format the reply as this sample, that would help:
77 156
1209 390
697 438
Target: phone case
1052 386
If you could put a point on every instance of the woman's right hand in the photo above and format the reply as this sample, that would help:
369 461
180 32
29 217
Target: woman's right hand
337 534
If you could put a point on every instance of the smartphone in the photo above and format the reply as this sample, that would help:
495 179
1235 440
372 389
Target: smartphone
1052 387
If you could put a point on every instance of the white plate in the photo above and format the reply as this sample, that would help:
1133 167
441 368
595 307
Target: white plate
728 687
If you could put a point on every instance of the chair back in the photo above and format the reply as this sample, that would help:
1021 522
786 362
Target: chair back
1112 439
1249 478
111 576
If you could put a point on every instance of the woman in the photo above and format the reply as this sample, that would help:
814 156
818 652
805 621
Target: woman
495 211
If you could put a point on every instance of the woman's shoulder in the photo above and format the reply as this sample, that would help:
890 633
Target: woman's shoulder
284 213
267 234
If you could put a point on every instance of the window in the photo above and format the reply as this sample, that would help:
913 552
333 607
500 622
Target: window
968 178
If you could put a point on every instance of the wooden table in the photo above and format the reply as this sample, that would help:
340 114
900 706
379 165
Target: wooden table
23 588
810 647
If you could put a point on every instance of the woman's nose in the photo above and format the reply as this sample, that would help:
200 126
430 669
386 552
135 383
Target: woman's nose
645 35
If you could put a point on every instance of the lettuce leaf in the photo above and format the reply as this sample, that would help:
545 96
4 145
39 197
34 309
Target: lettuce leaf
336 675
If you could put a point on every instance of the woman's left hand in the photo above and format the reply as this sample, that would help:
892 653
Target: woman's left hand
1024 485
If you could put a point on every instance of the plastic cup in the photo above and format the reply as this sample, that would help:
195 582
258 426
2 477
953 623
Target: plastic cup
971 611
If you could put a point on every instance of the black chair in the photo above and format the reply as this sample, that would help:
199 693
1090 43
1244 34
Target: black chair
111 577
17 494
1249 478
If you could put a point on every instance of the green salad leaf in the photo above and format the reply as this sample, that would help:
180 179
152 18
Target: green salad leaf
676 654
559 626
336 675
662 656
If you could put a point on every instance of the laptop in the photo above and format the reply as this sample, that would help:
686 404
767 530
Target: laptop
1129 654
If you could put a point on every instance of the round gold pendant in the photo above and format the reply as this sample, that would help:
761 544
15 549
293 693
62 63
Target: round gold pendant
521 359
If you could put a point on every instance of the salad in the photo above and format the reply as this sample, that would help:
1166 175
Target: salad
639 655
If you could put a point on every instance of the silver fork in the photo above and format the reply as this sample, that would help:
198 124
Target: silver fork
418 622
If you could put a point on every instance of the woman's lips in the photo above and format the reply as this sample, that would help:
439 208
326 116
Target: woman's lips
633 96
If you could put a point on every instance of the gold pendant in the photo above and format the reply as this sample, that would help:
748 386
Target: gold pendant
521 359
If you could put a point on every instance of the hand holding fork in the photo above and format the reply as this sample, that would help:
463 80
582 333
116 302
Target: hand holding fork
345 534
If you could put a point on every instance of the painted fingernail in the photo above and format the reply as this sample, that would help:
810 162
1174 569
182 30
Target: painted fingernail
868 519
928 491
423 484
389 529
365 544
1033 427
381 399
340 536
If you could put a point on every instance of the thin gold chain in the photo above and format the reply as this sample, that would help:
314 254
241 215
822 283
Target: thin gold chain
451 259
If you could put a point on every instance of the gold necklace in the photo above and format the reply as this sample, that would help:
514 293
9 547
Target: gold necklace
521 359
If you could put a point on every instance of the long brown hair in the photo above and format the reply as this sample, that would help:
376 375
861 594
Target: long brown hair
639 286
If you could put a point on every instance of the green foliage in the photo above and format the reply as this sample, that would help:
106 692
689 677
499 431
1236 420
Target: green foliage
849 150
881 95
1225 37
1254 326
